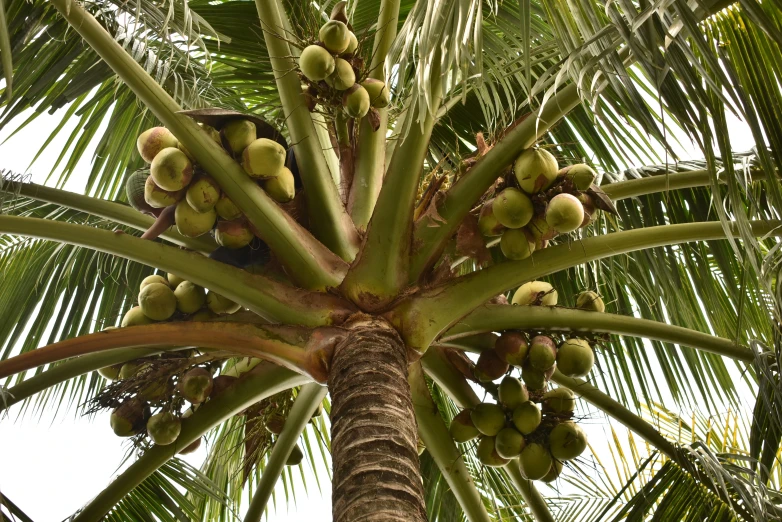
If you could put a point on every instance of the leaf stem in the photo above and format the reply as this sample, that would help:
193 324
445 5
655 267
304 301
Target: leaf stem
529 492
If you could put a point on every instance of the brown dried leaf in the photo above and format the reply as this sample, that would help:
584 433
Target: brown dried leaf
601 199
374 119
470 242
461 362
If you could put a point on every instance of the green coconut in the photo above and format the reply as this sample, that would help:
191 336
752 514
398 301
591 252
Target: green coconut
190 297
196 385
542 352
512 348
239 134
221 305
356 102
110 373
536 170
535 292
559 400
129 418
295 457
190 222
554 472
512 392
488 418
534 378
135 317
152 279
163 428
567 441
353 45
203 194
527 417
517 244
226 208
173 280
379 97
263 158
156 197
508 443
489 366
213 133
153 140
512 208
335 35
487 221
275 423
192 447
564 213
171 169
575 358
233 234
581 175
541 232
590 301
487 453
462 428
535 461
128 370
316 63
343 76
282 187
157 301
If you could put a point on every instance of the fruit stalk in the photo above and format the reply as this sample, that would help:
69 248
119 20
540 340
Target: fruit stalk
529 492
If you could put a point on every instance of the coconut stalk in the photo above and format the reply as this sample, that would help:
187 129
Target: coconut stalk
662 183
527 489
438 441
270 299
495 318
307 401
312 264
261 382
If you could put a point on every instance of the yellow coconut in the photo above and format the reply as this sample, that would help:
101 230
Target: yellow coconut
190 222
171 169
535 292
282 187
263 158
153 140
316 63
535 170
239 134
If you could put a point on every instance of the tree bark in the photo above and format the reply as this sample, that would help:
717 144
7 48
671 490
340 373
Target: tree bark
377 474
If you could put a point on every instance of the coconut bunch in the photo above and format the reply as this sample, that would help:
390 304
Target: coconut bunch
517 427
200 204
540 202
333 75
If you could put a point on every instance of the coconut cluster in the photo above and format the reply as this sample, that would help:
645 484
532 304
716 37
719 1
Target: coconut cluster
201 206
539 202
333 75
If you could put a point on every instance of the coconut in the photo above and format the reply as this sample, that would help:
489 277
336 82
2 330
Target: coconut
221 305
534 378
581 175
487 453
189 297
554 472
203 194
135 317
263 158
536 170
379 97
157 301
517 244
213 133
196 385
171 169
156 197
153 140
353 45
575 358
559 400
128 370
233 234
190 222
152 279
421 446
488 418
489 366
564 213
526 417
275 423
487 221
567 441
462 428
295 457
355 100
512 347
535 292
226 208
239 134
508 443
335 35
157 390
220 384
535 461
512 208
343 76
203 315
512 392
192 447
282 187
163 428
129 418
542 352
173 280
110 373
590 301
316 63
541 232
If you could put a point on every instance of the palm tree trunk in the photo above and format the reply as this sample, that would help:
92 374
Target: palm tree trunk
377 474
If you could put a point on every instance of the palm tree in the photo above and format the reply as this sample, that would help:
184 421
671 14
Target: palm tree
380 279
